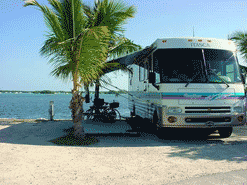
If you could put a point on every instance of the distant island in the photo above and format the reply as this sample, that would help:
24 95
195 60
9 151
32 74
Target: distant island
36 92
59 92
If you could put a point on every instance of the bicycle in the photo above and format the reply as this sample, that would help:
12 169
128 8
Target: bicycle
103 111
111 113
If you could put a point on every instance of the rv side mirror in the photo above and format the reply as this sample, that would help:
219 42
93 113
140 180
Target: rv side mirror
151 77
243 76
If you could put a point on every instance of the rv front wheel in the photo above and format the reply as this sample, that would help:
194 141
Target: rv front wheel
225 132
155 121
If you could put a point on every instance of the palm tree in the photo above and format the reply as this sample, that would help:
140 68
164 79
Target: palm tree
240 38
114 16
76 51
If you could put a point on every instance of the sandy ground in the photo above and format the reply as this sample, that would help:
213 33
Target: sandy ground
27 156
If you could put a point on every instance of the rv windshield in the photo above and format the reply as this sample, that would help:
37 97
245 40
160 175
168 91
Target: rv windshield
221 65
188 66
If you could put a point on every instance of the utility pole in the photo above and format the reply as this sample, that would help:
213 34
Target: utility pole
51 110
193 32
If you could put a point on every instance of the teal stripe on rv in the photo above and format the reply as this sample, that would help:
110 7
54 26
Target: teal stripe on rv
196 94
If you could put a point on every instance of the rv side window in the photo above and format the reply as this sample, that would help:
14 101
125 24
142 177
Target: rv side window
156 71
131 76
145 74
141 73
149 65
146 69
157 77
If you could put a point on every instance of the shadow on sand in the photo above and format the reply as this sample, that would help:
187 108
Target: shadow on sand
182 145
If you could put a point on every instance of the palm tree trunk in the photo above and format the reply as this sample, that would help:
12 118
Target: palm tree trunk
87 97
76 106
96 96
97 89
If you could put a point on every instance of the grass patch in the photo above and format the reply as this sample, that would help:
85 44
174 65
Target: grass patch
70 140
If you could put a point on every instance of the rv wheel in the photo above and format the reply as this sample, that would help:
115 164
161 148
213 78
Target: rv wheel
201 133
207 132
225 132
155 122
135 122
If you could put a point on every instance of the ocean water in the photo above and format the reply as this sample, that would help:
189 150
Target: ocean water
33 106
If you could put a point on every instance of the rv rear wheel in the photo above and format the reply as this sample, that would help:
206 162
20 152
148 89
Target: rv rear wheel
225 132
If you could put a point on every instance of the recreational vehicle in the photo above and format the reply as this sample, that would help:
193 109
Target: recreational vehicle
188 83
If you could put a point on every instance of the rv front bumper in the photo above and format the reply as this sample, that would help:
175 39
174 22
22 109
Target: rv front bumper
198 121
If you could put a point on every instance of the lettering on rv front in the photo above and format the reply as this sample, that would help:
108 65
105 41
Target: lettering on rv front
200 45
218 96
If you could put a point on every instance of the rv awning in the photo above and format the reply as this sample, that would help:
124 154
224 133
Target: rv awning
134 58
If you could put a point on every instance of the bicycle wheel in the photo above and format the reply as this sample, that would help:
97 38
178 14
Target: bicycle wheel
118 113
108 115
89 114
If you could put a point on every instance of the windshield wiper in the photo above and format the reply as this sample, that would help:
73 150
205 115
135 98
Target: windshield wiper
219 77
192 79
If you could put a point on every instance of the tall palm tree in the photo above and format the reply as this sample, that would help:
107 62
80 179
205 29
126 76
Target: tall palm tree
113 15
75 50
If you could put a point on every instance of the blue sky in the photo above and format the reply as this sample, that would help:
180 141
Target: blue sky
22 33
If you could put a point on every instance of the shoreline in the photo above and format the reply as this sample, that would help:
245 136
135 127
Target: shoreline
31 120
40 119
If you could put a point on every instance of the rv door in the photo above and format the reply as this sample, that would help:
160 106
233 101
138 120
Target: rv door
143 79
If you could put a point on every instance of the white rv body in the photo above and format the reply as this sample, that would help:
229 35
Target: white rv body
214 96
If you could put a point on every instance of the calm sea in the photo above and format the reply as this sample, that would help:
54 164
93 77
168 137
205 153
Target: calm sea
33 106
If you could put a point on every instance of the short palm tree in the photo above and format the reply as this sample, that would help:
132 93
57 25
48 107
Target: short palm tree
114 16
76 50
240 38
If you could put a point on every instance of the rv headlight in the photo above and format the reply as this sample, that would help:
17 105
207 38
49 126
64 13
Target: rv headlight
237 109
174 110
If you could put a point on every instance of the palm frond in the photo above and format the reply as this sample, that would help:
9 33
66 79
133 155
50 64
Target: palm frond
57 7
104 80
240 38
123 47
51 19
109 13
62 71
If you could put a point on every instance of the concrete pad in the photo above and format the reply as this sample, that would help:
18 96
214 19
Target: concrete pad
100 127
39 133
238 177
